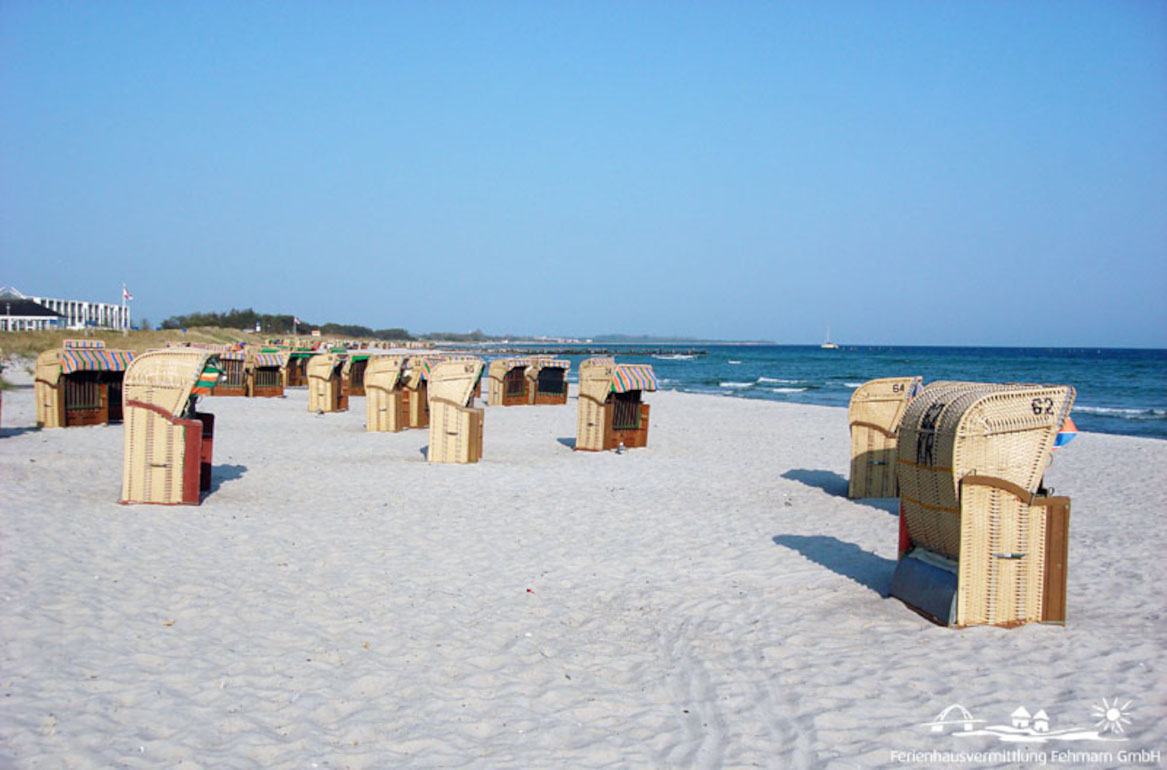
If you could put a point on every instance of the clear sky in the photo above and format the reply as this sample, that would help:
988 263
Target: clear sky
904 172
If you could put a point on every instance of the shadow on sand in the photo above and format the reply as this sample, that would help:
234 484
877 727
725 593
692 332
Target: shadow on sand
828 481
836 486
843 558
221 473
5 432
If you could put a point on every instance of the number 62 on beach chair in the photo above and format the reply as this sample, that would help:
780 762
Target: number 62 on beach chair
981 541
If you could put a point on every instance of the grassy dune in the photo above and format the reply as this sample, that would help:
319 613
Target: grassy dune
30 344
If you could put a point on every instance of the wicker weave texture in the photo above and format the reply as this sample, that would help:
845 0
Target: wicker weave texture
875 413
970 460
952 430
154 448
454 381
595 383
46 389
324 382
1002 563
455 426
384 397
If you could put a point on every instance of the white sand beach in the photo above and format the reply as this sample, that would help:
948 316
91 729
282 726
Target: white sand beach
712 600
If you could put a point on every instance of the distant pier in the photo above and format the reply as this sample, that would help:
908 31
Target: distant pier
590 351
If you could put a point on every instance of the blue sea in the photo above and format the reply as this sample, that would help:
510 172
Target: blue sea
1119 391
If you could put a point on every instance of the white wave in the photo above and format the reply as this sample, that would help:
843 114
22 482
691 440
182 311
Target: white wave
785 390
675 357
1126 414
780 382
735 384
733 363
852 384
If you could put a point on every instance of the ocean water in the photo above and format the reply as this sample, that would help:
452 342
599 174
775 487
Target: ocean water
1119 391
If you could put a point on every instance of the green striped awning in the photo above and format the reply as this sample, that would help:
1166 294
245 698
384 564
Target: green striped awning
94 360
208 378
633 377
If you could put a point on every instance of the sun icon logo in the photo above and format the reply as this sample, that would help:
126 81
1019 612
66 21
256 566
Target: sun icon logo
1111 716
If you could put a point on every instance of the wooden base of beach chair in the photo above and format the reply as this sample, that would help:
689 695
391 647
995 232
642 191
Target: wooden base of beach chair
873 463
168 460
1057 552
597 431
631 437
417 407
455 434
552 399
386 411
1012 565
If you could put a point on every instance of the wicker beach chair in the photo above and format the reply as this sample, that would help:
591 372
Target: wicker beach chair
415 386
611 412
352 374
981 542
875 413
455 425
386 399
296 369
79 385
264 370
234 362
325 393
547 380
168 444
507 382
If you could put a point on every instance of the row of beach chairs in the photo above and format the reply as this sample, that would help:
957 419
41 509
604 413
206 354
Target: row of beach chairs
169 443
982 541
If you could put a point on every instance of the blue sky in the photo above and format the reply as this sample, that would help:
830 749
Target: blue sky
913 173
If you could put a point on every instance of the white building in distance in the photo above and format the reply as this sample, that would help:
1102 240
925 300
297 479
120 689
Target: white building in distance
69 313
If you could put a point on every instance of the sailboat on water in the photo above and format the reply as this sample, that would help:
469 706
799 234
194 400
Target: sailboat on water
828 345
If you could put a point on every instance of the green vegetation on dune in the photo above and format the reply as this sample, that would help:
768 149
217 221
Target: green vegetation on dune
277 324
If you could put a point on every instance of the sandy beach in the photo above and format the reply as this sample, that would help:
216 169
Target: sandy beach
713 600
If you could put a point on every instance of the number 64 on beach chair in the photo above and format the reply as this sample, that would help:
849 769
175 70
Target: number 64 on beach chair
875 413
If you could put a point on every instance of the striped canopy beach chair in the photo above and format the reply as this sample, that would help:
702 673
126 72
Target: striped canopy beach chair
611 412
233 359
981 541
80 385
507 383
168 443
875 413
547 380
264 372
